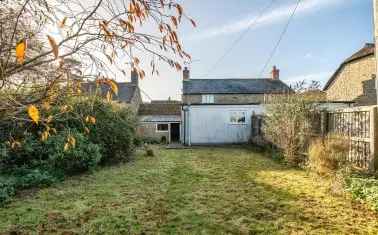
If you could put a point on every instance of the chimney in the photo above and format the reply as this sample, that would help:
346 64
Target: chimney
134 77
275 73
186 74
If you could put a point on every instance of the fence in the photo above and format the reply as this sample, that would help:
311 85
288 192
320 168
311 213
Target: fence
358 125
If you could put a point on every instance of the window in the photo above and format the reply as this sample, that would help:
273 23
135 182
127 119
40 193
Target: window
238 117
207 99
161 127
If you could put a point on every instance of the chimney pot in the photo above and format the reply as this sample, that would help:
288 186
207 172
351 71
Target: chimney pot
275 73
186 74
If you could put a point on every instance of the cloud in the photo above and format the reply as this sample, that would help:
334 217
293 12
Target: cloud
274 16
321 77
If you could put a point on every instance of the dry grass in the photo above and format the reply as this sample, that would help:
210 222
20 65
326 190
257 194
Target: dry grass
328 155
198 191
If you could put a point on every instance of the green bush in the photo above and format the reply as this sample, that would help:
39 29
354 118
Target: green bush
364 189
26 178
82 157
114 130
7 190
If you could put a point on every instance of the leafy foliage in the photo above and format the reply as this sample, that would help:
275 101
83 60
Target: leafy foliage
364 189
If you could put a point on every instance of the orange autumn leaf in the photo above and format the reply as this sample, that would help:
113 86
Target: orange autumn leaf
63 22
20 51
54 46
33 113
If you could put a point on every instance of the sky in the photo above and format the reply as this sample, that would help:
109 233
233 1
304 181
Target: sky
322 34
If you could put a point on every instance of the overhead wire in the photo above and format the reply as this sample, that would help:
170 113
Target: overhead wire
273 52
242 35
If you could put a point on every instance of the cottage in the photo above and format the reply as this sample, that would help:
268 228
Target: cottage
160 121
354 80
128 92
219 111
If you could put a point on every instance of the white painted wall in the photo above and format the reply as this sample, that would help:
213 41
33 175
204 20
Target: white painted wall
210 124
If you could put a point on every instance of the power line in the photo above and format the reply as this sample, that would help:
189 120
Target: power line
280 38
242 35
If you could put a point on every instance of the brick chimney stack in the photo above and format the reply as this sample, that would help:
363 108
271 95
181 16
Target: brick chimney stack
275 73
186 74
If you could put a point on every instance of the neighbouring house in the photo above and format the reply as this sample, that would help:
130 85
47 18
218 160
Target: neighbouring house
160 121
128 92
219 111
354 80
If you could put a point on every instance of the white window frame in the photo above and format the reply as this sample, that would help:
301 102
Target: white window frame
157 129
233 112
208 99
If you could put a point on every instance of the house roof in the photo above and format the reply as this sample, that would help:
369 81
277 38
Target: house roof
160 109
126 90
160 118
367 50
234 86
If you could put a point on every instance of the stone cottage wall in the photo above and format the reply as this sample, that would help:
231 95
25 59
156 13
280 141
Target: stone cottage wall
349 83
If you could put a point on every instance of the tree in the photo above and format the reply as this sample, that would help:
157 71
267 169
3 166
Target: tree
289 120
48 47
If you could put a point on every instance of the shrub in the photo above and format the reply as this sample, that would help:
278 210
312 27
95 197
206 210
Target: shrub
79 158
288 126
328 155
364 189
114 130
27 178
7 190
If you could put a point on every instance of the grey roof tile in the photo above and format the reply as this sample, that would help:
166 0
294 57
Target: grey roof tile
126 90
234 86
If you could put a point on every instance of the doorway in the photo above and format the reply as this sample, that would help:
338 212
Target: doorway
175 132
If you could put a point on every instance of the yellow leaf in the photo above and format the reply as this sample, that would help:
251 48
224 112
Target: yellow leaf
86 130
114 86
109 96
45 135
93 120
66 147
20 51
54 46
72 141
33 113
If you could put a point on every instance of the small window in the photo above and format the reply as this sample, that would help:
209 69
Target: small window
207 99
238 117
162 127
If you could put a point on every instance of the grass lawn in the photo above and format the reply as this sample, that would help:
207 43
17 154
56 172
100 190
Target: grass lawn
198 191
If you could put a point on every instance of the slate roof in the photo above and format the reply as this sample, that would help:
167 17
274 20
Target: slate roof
126 90
234 86
160 118
367 50
160 109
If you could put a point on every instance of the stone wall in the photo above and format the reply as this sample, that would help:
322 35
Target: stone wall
148 130
349 83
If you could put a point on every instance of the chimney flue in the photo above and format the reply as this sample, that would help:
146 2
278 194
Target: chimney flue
275 73
186 74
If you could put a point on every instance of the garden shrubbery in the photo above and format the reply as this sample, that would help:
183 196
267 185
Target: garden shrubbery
70 146
363 189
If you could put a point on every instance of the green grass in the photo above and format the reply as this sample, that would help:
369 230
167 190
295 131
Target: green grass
199 191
